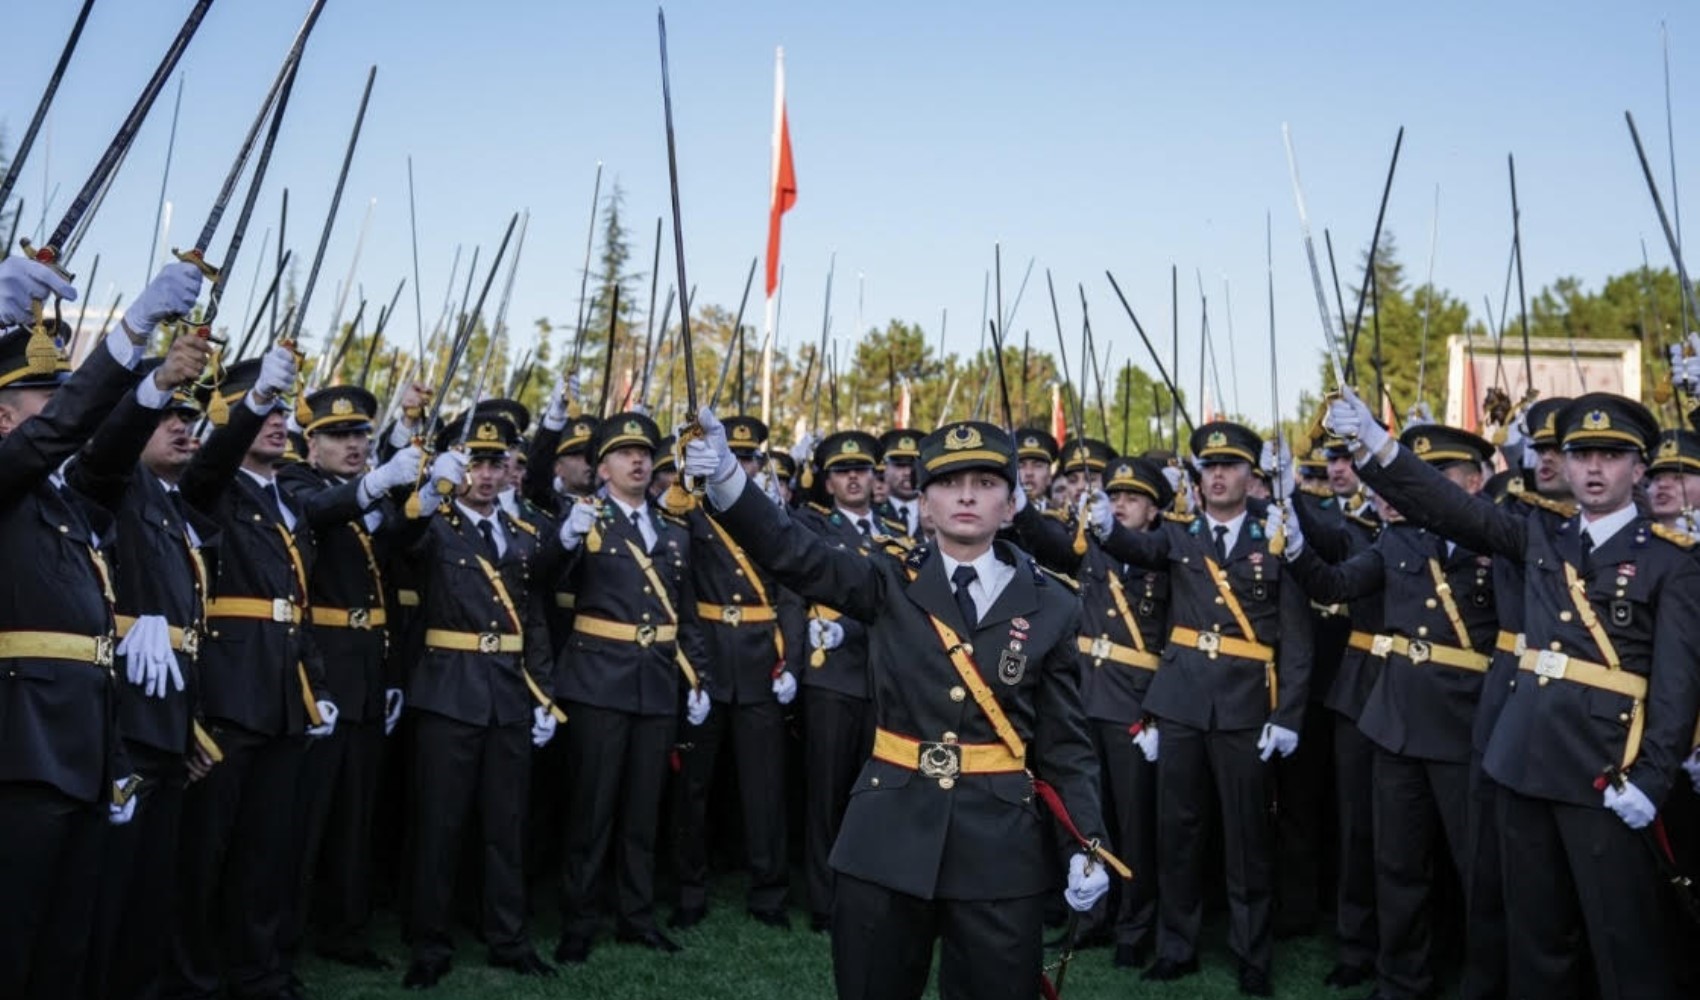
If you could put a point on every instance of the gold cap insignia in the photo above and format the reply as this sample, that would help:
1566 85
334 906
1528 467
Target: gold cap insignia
341 408
850 447
1081 454
1031 442
633 427
1596 420
487 431
1422 446
906 443
962 437
742 432
1550 426
1217 439
1669 448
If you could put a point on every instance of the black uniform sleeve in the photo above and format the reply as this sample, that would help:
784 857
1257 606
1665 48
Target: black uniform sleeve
841 579
106 466
1145 549
211 471
1430 500
1048 539
1062 750
539 486
1673 691
1293 656
1359 576
793 628
1329 536
39 445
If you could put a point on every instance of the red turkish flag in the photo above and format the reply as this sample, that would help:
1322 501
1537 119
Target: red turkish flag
784 193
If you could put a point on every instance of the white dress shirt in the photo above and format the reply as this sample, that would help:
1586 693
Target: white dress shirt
1233 525
263 483
992 575
645 523
496 531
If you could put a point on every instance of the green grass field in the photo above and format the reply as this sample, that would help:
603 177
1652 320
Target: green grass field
729 957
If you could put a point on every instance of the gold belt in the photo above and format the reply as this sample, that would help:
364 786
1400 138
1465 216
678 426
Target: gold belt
1550 665
474 642
1216 644
57 646
946 759
407 598
184 640
565 601
643 635
355 618
1511 642
1101 648
266 609
735 614
1361 640
1420 651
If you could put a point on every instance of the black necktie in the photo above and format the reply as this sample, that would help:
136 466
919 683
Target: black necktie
1221 543
1587 552
181 506
276 498
866 528
962 576
488 530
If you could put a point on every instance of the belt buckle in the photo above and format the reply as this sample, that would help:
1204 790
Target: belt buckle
1551 664
942 761
732 614
103 650
360 618
1209 642
646 635
1102 648
1380 645
489 642
191 642
283 610
1520 645
1419 651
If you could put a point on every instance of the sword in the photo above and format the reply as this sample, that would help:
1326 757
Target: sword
1522 298
330 216
649 320
675 498
384 317
584 275
22 152
737 325
1278 539
608 353
469 323
1174 394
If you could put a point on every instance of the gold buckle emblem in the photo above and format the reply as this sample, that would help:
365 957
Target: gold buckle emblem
1551 664
103 650
360 618
489 642
1419 651
191 642
939 760
732 614
1102 648
283 610
646 636
1209 642
1381 645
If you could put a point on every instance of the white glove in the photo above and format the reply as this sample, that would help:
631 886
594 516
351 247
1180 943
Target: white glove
1176 477
825 634
1350 417
555 416
1084 887
118 815
804 450
1691 363
277 374
1516 435
148 659
1289 522
707 456
578 524
401 470
1147 741
542 726
1102 518
785 687
1631 805
327 712
393 701
1276 740
1021 501
24 282
1418 415
696 706
449 467
171 294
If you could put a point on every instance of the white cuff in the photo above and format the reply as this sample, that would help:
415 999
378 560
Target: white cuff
252 401
149 394
726 492
123 352
401 435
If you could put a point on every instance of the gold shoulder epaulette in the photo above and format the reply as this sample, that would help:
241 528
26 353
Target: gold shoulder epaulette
1319 490
1178 518
677 520
1680 539
1563 508
1368 522
524 525
894 527
819 508
1067 581
1056 513
680 508
897 545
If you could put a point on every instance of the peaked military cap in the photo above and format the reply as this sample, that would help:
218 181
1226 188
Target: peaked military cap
341 408
901 445
1606 421
31 362
847 450
1542 421
784 465
238 379
575 437
745 435
1139 475
1090 452
295 452
1031 442
488 434
1678 451
664 456
967 444
512 409
1440 445
624 430
1314 463
1222 442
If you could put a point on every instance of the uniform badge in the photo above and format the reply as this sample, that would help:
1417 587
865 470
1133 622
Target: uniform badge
1626 570
1259 591
1621 613
1020 623
1256 559
1146 608
1012 666
1016 635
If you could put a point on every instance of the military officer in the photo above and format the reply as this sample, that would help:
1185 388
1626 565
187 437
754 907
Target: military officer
1437 641
900 448
1081 463
1036 452
942 836
1229 694
1674 478
635 646
478 696
1603 705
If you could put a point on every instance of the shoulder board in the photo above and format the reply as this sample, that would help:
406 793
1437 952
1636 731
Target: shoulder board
821 509
1318 490
1170 515
523 525
1680 539
1057 513
897 545
681 508
677 520
1563 508
1373 524
895 527
1040 573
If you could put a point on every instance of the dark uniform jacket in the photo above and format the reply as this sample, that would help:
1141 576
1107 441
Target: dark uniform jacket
609 584
842 669
476 687
1419 709
744 655
346 579
251 669
158 566
1224 692
1555 736
978 837
57 716
1344 674
1113 691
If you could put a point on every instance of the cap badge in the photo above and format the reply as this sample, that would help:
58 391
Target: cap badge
742 432
1217 439
633 427
342 408
850 447
962 437
487 431
906 443
1031 442
1596 420
1422 446
1668 448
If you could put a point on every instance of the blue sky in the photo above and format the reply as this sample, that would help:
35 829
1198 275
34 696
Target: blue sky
1089 135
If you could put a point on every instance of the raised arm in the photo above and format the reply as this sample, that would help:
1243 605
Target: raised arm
1048 539
1359 576
841 579
1430 500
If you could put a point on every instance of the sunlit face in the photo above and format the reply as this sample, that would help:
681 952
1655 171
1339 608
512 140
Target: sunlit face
1035 476
1224 486
1603 480
969 506
1082 481
1134 510
171 446
850 488
485 476
1672 492
627 472
340 453
1342 476
273 439
877 488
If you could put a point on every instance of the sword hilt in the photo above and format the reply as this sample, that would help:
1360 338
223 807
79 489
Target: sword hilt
196 258
48 255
